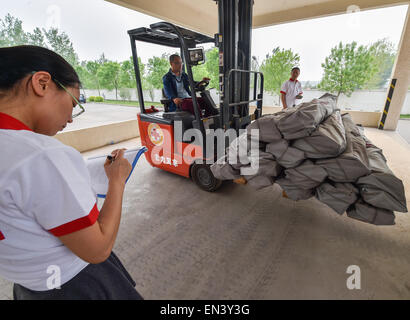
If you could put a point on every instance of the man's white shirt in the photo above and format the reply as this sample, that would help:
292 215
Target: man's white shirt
291 89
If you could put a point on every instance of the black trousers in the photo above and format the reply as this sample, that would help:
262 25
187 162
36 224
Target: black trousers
108 280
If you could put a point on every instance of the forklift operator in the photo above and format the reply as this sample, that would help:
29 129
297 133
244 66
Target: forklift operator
176 87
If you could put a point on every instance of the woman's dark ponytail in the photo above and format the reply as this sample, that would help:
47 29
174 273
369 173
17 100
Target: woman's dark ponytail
17 62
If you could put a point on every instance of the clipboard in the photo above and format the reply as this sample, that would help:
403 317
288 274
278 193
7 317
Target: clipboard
95 166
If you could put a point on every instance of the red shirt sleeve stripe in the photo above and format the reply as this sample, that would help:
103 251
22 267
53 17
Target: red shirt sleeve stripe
283 92
77 224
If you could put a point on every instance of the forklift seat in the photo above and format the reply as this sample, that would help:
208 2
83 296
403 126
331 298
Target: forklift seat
167 102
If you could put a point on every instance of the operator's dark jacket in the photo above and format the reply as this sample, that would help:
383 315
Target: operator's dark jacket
170 87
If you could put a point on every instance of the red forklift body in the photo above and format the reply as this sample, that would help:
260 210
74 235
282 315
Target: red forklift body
163 151
171 144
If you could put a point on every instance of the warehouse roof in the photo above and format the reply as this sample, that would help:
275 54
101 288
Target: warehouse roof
185 13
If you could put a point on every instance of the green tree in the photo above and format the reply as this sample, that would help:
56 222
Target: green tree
151 90
212 67
384 55
125 94
199 72
109 76
84 75
11 32
127 78
127 75
60 43
157 68
347 68
36 38
276 69
92 68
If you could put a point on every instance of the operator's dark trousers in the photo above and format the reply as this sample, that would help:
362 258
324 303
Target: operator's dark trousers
188 105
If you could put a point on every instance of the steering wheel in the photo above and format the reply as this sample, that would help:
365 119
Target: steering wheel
201 85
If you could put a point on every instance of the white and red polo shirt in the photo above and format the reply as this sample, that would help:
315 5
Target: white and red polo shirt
291 88
45 193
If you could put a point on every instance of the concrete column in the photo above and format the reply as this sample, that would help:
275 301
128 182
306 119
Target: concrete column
401 72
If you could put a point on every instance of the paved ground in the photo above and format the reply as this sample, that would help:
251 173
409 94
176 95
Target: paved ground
97 114
403 128
179 242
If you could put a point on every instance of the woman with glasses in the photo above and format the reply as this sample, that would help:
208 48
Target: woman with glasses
54 242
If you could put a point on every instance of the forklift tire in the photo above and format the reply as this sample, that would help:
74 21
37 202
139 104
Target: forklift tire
202 175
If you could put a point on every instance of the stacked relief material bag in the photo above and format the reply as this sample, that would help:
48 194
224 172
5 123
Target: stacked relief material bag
313 150
352 163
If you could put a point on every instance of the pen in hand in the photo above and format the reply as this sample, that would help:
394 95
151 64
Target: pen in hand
114 154
117 168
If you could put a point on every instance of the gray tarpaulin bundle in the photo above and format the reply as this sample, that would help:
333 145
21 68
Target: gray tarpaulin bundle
265 164
299 183
284 154
306 176
313 150
222 169
309 114
267 126
329 140
237 152
367 213
382 188
338 196
353 162
259 182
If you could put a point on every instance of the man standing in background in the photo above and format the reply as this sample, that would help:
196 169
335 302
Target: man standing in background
291 90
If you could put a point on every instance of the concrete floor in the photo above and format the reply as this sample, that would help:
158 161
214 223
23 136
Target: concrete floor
179 242
403 128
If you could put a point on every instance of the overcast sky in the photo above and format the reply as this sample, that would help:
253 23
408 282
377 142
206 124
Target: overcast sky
96 26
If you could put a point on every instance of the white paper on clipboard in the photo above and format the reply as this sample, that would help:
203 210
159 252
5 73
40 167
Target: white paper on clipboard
95 166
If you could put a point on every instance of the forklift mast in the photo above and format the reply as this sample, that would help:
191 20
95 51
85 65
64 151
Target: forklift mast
234 43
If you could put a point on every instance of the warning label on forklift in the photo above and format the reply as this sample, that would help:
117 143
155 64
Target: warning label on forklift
155 134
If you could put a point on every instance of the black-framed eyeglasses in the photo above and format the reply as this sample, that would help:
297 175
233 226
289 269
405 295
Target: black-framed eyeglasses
82 110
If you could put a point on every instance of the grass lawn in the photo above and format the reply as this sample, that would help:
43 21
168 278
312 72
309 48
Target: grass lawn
131 103
405 116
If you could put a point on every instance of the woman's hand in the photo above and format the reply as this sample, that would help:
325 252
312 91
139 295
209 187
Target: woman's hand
118 169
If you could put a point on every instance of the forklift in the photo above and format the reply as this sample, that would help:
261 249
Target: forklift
162 132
